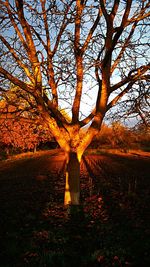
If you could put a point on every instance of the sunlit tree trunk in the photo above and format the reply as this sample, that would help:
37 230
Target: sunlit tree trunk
73 162
34 150
72 186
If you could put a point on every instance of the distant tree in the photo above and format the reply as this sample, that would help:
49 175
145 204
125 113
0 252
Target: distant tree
115 135
142 134
20 130
55 51
122 137
22 134
103 137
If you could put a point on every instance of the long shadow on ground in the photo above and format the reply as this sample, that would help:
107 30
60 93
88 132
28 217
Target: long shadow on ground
36 230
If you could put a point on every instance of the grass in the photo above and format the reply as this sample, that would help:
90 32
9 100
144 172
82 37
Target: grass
129 152
35 229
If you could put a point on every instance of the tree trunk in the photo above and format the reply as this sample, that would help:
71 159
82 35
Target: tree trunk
72 188
34 150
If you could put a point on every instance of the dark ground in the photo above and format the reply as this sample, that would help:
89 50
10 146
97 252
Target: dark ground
36 230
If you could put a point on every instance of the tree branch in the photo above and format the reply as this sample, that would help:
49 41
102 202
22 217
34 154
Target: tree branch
118 33
50 68
120 95
124 47
16 81
115 8
62 28
79 63
88 118
54 110
27 32
31 46
18 32
104 11
20 63
133 75
46 27
85 45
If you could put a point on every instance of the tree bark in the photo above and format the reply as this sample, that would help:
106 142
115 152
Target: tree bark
72 187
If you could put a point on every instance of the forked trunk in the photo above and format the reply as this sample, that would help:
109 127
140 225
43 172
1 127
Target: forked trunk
72 188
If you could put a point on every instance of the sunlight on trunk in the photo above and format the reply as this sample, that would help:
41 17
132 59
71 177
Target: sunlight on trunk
72 188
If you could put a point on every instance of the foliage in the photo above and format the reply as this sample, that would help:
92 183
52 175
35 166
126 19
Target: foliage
121 136
104 136
142 134
115 136
20 131
22 134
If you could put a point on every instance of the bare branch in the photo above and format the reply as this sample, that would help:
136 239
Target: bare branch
102 2
27 32
124 47
79 63
16 81
86 43
119 96
115 8
133 75
88 119
20 63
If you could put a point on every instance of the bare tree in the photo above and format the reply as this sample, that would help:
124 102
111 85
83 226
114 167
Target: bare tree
57 51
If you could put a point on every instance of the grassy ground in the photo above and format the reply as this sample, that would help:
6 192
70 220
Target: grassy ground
36 230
